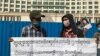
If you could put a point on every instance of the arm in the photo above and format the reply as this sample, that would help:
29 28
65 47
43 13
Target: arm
23 32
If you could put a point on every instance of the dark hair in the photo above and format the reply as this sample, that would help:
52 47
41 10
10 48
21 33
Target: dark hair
72 23
97 24
85 20
78 23
35 15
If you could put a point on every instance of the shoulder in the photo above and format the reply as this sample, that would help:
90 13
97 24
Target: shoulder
26 27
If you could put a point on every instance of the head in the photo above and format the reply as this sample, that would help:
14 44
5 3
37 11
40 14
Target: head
98 26
65 21
68 21
79 25
35 17
85 21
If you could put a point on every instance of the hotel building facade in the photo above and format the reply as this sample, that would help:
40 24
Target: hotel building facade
52 9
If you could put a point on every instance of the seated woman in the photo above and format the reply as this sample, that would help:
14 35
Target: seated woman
69 29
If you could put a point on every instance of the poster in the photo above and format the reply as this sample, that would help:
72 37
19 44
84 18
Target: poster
53 47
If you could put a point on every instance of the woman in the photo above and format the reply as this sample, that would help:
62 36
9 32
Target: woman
86 25
69 29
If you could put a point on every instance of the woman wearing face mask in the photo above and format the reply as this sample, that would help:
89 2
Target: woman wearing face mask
69 29
86 25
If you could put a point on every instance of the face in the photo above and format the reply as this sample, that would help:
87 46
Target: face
80 27
35 22
99 27
66 22
84 22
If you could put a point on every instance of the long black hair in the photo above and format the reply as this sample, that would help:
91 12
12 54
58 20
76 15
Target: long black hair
72 23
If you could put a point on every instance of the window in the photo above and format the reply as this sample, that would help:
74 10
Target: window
67 3
90 11
23 6
0 9
51 11
84 11
39 7
6 5
34 6
78 3
61 11
45 3
90 2
78 11
28 10
67 7
17 1
84 3
28 2
84 7
40 3
34 2
28 6
0 5
0 0
45 7
96 2
11 5
51 7
23 2
61 7
78 7
11 1
73 11
67 12
96 11
45 11
17 6
90 7
51 3
62 3
11 10
5 9
73 7
5 0
57 7
96 7
17 10
57 3
73 3
23 10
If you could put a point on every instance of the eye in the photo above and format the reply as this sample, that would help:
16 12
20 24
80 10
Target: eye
65 19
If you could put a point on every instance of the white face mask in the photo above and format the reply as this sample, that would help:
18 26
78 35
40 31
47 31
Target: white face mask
66 23
99 29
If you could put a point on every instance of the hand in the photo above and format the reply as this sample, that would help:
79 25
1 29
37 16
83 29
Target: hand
11 40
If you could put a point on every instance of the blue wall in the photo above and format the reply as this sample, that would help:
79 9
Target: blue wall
13 29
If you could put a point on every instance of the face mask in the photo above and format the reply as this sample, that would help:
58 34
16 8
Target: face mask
99 29
66 23
36 24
